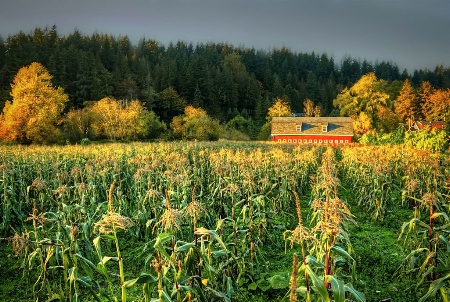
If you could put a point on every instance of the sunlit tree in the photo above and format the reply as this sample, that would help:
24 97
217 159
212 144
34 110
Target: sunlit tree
278 109
423 93
362 124
129 120
365 96
195 124
405 104
34 114
437 105
308 106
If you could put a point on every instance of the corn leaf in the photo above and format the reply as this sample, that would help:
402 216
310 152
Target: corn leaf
184 247
338 288
213 234
340 251
357 295
143 278
435 286
318 284
107 258
163 296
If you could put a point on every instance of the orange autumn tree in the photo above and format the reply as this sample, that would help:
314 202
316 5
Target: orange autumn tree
437 105
405 104
34 114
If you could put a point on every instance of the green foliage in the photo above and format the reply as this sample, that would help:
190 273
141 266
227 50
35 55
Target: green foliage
217 77
205 221
434 140
425 139
195 124
264 133
394 138
242 125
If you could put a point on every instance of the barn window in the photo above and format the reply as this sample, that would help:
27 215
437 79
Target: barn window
295 141
289 141
305 141
298 127
341 141
284 140
320 141
346 141
325 141
279 140
325 127
310 141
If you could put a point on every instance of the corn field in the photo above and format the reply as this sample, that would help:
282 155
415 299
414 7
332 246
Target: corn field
191 221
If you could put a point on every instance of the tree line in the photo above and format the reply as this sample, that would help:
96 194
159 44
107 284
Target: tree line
232 85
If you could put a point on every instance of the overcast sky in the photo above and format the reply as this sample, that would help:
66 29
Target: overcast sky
414 34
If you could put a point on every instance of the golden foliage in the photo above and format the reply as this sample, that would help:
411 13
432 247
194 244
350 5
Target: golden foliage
279 108
34 112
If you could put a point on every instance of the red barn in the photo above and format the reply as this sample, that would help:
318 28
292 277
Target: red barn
431 125
312 130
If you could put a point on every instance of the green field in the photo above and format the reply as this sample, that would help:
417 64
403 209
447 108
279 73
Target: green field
223 221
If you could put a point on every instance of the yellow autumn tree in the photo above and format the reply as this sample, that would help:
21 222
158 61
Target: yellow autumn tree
195 124
308 106
279 108
362 124
405 104
34 114
437 105
123 120
365 96
106 118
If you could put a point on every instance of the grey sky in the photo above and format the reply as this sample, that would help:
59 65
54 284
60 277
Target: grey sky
414 34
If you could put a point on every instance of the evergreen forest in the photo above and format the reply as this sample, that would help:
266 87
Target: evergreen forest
224 80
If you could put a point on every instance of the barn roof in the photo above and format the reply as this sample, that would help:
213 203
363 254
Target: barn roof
312 126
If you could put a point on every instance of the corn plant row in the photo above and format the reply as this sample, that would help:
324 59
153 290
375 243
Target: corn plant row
201 214
196 209
383 177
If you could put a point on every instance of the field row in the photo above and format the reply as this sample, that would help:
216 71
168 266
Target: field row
211 221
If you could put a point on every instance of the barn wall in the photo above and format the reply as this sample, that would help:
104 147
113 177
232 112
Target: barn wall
312 139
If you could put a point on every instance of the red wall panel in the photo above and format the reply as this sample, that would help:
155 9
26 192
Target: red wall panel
312 139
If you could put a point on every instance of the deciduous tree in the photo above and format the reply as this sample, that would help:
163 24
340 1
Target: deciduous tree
34 113
129 120
437 105
365 96
405 105
195 124
279 108
308 105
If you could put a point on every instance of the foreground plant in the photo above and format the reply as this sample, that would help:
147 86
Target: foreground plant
427 236
300 235
110 224
330 214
